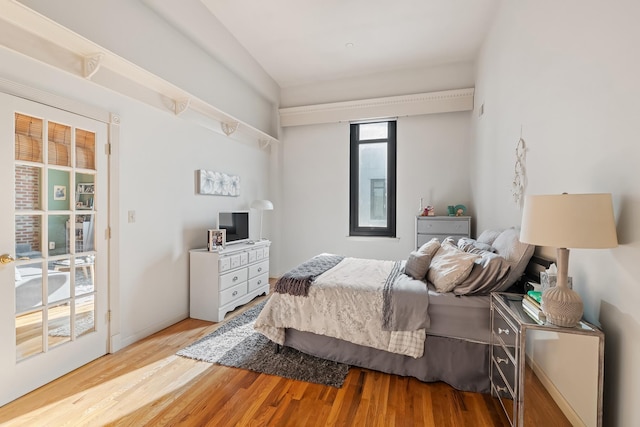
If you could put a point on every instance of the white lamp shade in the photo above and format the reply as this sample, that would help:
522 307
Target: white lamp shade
262 205
569 221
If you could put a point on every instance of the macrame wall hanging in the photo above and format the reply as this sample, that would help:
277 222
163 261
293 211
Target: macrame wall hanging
520 172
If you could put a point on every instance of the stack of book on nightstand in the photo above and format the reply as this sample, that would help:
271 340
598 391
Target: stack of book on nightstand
531 306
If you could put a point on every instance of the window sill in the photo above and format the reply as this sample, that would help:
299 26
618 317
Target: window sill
370 238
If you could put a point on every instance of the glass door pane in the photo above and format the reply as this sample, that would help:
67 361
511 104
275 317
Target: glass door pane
54 223
59 144
28 139
85 149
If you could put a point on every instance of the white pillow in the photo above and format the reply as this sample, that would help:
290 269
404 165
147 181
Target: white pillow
449 267
489 236
517 254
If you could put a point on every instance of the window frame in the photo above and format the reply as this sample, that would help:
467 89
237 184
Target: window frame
354 172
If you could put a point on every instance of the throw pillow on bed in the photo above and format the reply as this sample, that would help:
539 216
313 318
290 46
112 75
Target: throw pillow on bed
417 265
449 267
419 261
431 247
509 246
471 245
489 236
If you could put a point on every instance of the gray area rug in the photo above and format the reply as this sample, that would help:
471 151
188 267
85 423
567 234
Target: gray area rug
84 324
238 345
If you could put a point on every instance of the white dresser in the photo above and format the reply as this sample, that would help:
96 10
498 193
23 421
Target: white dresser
221 281
428 227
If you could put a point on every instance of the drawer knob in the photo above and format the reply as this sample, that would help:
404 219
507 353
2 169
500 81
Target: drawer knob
234 293
503 331
259 282
259 269
235 278
505 360
501 389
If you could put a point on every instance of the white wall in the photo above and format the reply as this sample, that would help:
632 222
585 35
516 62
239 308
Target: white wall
158 155
432 163
567 74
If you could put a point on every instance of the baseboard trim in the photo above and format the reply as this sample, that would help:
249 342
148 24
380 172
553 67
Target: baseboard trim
151 330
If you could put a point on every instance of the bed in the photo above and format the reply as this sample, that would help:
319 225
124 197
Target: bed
426 317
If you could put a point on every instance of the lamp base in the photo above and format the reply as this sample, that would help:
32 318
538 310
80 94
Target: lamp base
562 306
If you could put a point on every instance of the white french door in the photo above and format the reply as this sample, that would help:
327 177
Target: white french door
53 244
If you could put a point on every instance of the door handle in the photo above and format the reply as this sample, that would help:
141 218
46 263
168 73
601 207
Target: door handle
6 259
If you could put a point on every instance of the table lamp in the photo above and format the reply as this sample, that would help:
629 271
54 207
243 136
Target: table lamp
262 205
567 221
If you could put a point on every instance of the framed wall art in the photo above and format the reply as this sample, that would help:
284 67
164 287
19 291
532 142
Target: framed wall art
59 192
217 183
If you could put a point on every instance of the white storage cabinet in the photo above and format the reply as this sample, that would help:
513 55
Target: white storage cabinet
223 280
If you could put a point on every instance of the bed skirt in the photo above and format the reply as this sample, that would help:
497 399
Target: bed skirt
462 364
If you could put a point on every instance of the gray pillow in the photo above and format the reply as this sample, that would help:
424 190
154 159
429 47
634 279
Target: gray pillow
488 274
417 265
471 245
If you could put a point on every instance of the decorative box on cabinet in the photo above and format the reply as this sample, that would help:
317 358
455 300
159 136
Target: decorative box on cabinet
428 227
223 280
513 364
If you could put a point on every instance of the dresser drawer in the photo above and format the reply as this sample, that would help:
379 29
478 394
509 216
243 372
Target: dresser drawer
443 226
258 282
258 269
235 261
501 391
505 331
244 258
233 278
424 238
232 293
498 381
506 365
224 263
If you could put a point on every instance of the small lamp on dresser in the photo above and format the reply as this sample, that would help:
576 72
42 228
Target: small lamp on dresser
567 221
262 205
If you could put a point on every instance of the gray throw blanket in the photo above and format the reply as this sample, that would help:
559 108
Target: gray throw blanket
388 308
297 281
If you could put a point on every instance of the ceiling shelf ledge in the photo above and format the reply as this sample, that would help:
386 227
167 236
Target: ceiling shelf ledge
27 32
91 64
393 106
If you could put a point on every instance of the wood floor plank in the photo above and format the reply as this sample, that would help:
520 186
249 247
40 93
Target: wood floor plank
146 384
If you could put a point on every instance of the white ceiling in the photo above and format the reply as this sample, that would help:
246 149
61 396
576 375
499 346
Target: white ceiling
301 42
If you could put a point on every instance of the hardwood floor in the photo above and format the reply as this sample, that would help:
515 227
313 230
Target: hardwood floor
146 384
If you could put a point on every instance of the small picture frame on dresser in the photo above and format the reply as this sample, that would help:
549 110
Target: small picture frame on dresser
216 239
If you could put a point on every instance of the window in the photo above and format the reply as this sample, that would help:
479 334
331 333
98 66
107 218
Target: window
373 179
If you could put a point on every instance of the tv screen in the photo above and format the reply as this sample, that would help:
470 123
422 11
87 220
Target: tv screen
237 225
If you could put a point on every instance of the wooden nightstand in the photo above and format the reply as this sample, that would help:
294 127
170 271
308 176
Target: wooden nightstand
514 339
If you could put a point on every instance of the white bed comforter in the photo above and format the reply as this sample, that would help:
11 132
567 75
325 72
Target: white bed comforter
345 302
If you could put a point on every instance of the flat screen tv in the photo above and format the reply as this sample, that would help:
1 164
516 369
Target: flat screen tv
236 224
